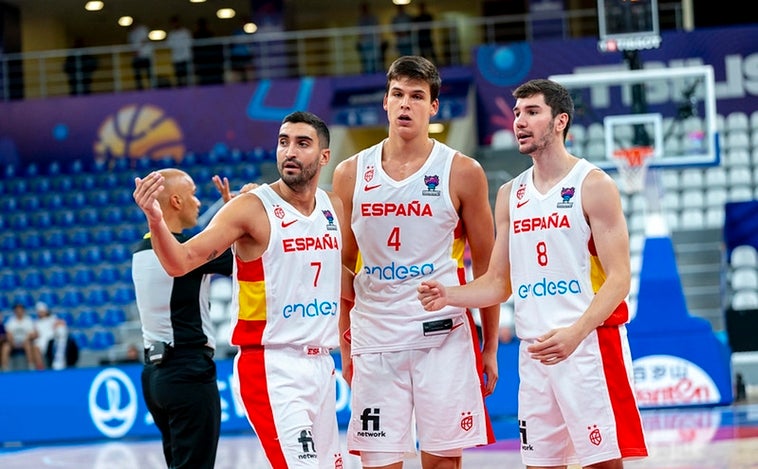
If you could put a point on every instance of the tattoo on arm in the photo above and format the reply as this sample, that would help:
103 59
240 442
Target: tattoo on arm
212 255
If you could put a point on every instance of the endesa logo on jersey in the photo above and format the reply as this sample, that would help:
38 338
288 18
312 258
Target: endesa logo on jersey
310 243
313 309
398 271
547 287
554 220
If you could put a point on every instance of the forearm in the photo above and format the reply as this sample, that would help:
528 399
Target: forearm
490 318
169 251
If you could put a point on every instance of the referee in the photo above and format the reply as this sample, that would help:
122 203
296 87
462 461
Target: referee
179 377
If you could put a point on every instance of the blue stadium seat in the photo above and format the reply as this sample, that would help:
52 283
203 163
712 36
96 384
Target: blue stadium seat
31 170
62 184
72 298
108 180
103 235
75 167
87 217
42 220
19 221
9 281
67 256
102 339
126 275
49 297
91 255
108 275
123 296
83 276
19 259
30 203
43 185
9 241
97 297
81 339
66 316
25 298
55 238
5 302
8 204
78 237
53 168
113 215
52 201
121 197
58 278
31 240
120 164
18 187
33 279
118 254
129 234
64 218
75 200
43 258
98 198
113 317
134 214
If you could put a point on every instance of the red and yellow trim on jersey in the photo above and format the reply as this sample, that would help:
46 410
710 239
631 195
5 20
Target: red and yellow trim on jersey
620 315
251 317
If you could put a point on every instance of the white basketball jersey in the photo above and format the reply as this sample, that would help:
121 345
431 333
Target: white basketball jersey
290 295
406 233
555 270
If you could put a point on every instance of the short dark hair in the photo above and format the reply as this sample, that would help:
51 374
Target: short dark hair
305 117
557 97
415 67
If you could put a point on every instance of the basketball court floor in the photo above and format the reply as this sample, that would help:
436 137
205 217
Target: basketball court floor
686 438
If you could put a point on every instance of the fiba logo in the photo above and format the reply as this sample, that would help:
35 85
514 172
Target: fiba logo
139 131
113 403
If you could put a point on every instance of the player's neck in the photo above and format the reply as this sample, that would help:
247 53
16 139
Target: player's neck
401 158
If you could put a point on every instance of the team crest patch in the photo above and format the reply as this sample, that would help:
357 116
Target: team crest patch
567 193
431 183
368 174
278 212
467 421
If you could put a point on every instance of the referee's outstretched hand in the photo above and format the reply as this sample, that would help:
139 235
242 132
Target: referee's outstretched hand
146 193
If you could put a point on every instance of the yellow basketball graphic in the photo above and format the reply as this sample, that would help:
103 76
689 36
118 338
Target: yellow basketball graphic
139 131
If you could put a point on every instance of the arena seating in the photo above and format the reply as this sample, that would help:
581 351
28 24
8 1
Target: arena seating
68 241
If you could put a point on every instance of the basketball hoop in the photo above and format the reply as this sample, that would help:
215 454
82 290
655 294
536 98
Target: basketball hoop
632 164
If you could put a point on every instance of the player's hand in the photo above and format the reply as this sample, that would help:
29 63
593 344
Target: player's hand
489 367
222 186
432 294
146 193
555 346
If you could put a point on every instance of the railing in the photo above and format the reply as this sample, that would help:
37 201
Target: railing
323 52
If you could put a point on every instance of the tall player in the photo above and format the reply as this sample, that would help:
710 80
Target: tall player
414 203
286 242
562 249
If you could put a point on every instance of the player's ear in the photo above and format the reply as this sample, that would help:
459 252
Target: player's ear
326 155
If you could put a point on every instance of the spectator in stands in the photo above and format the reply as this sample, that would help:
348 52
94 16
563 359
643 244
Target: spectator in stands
45 326
424 35
79 66
208 58
21 336
403 36
62 350
369 41
240 54
180 42
142 61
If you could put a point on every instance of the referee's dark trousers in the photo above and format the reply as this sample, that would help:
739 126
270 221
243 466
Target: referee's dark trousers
182 395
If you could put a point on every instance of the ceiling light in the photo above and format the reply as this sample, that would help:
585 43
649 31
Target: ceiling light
94 5
401 2
156 35
226 13
250 28
125 21
197 1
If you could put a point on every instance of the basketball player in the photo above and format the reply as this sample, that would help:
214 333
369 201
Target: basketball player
286 241
563 250
414 203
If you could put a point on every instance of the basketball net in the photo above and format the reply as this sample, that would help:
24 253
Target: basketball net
632 164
